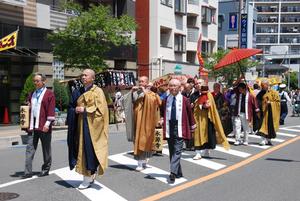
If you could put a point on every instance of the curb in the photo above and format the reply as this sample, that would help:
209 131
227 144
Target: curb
59 133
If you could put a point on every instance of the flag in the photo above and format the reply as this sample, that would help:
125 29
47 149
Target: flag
199 49
9 41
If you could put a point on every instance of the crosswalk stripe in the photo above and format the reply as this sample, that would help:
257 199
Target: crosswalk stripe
274 140
251 145
202 162
285 134
95 192
290 129
233 152
152 171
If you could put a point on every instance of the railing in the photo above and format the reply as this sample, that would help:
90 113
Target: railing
266 30
267 19
266 39
193 2
192 34
289 39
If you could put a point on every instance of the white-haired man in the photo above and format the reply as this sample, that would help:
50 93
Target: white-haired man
178 125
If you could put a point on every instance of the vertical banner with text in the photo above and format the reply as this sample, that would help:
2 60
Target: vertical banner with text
244 31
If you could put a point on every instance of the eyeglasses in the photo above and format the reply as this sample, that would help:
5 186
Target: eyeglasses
37 81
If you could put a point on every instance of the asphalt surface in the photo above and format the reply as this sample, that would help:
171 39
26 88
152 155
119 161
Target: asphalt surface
273 177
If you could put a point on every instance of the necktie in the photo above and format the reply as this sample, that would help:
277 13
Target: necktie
173 110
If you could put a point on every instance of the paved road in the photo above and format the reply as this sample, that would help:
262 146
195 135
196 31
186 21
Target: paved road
245 173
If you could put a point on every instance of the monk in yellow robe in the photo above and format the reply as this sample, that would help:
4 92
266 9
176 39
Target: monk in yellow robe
88 130
141 128
209 130
269 103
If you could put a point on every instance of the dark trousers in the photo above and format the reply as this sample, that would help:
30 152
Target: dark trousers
31 147
283 112
175 149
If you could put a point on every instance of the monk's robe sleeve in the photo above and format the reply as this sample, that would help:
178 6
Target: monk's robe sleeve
190 115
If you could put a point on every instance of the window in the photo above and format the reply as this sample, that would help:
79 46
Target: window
165 37
180 6
179 43
220 21
167 3
208 15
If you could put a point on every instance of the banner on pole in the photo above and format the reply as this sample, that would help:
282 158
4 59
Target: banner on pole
9 41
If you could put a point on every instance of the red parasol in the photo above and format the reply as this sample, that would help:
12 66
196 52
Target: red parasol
235 56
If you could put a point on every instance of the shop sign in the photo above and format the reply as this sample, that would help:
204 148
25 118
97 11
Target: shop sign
9 41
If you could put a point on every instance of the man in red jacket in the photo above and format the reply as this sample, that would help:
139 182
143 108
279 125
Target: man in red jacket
178 124
42 114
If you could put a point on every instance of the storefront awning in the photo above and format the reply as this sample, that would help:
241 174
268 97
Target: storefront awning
19 52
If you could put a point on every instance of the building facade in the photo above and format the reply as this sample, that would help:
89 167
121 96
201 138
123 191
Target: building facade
168 34
278 31
228 27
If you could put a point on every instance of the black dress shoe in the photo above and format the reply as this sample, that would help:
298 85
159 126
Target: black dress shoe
44 173
172 178
26 176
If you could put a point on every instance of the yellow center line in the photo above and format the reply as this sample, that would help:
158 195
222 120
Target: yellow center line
219 173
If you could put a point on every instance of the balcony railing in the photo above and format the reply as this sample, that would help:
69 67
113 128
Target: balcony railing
290 19
59 17
289 39
266 39
272 19
193 34
193 2
290 9
267 30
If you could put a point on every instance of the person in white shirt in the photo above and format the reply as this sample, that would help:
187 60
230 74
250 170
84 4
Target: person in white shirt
284 100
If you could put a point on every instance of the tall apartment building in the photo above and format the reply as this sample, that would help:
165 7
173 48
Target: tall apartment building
278 24
168 33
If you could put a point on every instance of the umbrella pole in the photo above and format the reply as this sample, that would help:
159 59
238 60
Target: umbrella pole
240 68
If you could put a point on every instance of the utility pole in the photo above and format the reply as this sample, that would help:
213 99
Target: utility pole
299 77
289 75
241 11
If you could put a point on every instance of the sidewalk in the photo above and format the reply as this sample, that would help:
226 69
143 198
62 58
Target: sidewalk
11 135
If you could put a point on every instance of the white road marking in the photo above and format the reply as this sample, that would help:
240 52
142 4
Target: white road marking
258 137
286 134
290 129
202 162
251 145
233 152
152 171
95 192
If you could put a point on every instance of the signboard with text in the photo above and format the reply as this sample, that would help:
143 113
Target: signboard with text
9 41
244 30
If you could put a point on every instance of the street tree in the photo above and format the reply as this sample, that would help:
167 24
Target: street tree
87 37
293 80
229 73
27 89
61 95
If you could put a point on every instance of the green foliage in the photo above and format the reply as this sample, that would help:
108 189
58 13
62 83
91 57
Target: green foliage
228 73
61 95
28 88
86 39
293 80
